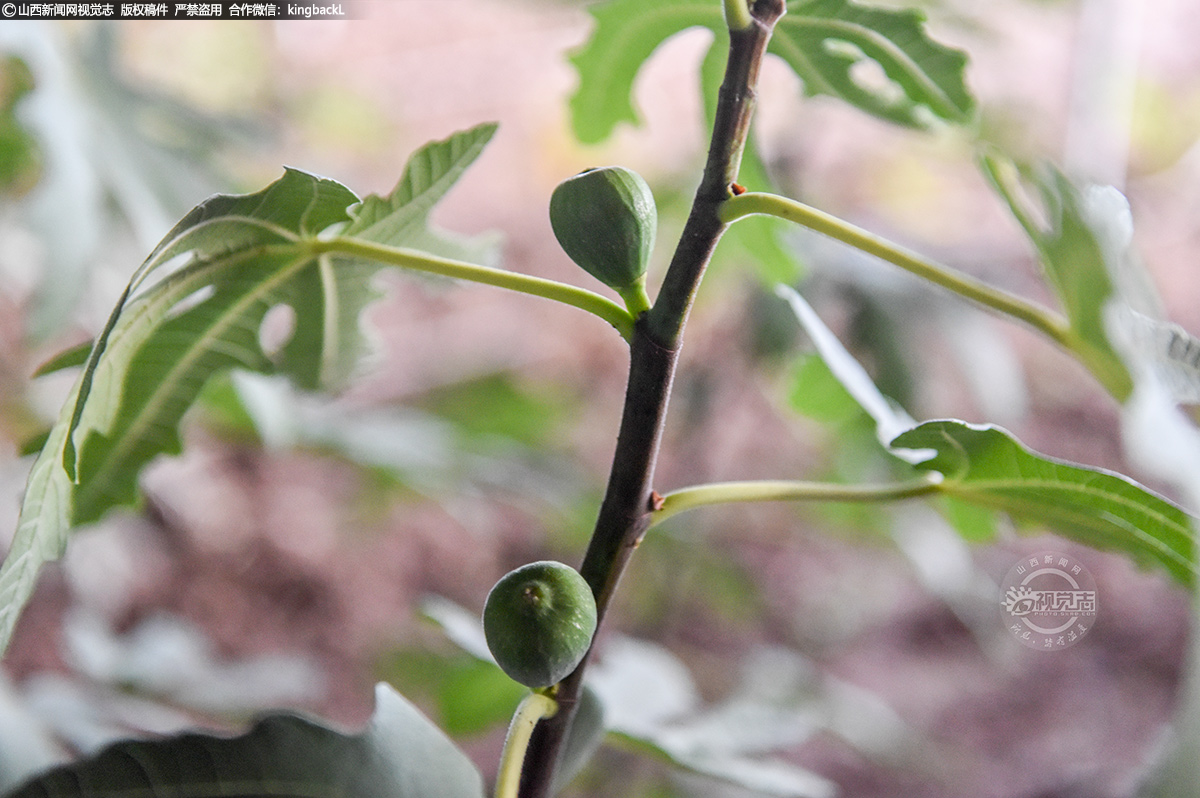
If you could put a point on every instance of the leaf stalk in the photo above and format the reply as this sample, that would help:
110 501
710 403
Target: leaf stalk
737 15
533 708
1039 318
567 294
690 498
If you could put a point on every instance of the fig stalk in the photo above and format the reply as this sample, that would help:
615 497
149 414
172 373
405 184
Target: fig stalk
533 708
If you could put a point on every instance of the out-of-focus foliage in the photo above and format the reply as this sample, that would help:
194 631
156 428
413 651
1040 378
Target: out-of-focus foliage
400 755
92 147
18 149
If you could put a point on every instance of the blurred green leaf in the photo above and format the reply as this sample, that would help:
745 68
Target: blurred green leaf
475 696
759 244
20 158
413 447
890 419
113 153
497 406
779 701
583 738
683 571
400 755
625 34
1071 231
836 46
34 444
224 411
771 337
761 238
815 392
987 467
68 358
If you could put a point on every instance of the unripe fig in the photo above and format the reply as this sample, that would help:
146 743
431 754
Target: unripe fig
605 219
539 620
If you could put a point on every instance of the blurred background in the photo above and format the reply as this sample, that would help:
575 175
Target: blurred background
288 557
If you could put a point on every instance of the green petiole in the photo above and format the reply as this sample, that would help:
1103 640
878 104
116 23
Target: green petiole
737 14
1036 316
581 298
535 707
685 499
637 301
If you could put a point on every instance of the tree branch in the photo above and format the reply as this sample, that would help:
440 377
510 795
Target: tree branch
654 348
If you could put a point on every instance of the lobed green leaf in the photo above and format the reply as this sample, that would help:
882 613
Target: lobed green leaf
402 218
219 235
399 755
626 34
985 466
986 470
229 262
157 349
833 45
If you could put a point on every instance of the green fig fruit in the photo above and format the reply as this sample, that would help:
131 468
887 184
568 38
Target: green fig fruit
605 220
539 620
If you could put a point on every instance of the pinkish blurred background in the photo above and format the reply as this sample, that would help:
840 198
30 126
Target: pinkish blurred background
286 565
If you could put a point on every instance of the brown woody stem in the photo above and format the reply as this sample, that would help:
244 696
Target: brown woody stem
654 348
